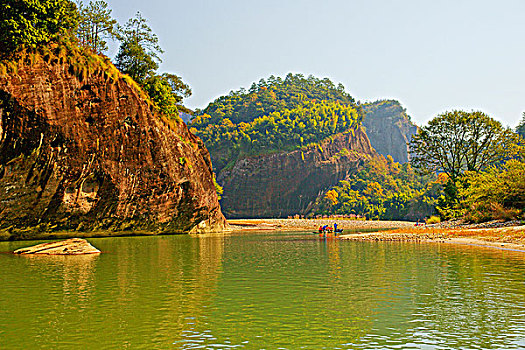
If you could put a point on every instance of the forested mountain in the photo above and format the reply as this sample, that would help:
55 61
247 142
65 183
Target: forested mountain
274 116
260 140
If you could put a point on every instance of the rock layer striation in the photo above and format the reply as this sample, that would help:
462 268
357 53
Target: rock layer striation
89 153
285 184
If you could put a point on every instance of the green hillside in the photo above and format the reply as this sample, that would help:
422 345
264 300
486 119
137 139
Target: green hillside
275 115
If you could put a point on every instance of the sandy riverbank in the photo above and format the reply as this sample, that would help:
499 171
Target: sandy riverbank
312 224
495 234
507 237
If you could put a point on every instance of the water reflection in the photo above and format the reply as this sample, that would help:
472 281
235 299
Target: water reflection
187 303
39 294
264 291
448 297
75 272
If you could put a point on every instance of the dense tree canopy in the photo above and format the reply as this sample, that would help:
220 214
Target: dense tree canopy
274 115
503 185
273 95
383 189
458 141
29 23
495 193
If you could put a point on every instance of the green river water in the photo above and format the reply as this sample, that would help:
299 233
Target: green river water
263 291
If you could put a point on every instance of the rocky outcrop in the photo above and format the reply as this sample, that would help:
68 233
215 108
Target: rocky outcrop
89 153
284 184
389 129
73 246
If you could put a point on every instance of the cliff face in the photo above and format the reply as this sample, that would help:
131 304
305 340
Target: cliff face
89 154
284 184
389 129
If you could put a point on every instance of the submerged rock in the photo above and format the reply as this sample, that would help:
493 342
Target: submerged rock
73 246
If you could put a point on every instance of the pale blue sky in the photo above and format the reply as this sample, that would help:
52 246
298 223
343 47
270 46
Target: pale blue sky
430 55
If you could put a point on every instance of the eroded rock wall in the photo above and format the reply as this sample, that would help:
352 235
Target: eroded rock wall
284 184
389 129
90 154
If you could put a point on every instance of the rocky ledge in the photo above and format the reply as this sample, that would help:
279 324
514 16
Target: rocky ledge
73 246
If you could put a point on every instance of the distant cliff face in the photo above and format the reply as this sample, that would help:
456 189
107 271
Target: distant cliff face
284 184
89 154
389 129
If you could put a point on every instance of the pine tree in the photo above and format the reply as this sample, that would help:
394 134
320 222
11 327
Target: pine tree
96 25
139 49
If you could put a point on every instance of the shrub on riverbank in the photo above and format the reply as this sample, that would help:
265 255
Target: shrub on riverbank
497 193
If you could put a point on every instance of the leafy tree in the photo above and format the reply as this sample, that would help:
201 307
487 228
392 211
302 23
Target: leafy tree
31 23
139 50
496 193
331 197
167 90
138 57
458 141
96 25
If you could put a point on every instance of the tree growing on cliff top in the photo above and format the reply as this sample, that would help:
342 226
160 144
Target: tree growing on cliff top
167 90
30 23
458 141
95 25
138 54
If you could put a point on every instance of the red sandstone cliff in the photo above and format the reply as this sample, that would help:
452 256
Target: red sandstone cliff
284 184
90 154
